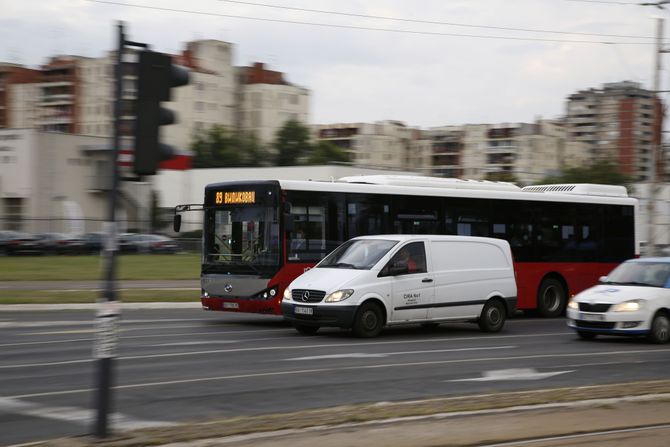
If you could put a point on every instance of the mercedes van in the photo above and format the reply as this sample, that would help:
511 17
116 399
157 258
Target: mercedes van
371 282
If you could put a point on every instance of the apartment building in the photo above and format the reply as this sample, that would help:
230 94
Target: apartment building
523 151
620 122
266 101
383 144
72 94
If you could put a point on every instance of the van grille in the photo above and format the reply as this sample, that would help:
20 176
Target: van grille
313 296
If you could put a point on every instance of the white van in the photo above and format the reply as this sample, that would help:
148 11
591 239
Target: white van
370 282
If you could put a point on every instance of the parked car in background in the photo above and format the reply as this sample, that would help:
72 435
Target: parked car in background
94 242
634 299
154 243
61 244
126 243
16 243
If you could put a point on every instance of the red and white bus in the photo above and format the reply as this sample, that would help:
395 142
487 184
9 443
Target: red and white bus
260 235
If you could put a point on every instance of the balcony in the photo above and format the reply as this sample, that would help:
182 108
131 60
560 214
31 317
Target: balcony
56 99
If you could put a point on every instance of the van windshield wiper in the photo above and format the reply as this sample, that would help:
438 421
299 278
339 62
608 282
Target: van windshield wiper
343 265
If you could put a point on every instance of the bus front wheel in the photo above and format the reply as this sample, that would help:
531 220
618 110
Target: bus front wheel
551 298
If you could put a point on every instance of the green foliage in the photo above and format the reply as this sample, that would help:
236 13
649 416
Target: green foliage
324 152
220 147
605 172
292 144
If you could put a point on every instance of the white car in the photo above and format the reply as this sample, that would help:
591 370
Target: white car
634 299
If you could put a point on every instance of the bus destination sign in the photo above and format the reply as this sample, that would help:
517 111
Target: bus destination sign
234 197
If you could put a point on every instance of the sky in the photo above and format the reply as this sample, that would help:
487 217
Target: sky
426 63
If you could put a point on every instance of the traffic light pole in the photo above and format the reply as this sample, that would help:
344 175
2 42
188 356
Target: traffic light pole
107 317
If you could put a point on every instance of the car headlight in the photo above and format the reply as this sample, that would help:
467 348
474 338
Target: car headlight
628 306
572 304
340 295
287 294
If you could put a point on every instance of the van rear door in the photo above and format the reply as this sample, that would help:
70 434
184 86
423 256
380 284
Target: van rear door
412 290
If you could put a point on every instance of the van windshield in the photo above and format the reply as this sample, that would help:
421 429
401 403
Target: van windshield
360 254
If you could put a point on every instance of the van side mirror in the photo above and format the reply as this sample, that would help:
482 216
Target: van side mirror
602 280
398 270
176 223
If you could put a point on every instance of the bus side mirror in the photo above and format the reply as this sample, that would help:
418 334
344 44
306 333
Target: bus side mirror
176 223
289 222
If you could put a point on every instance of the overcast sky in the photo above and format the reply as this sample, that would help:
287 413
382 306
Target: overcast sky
435 74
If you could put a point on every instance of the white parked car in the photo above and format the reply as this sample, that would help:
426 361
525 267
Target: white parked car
634 299
370 282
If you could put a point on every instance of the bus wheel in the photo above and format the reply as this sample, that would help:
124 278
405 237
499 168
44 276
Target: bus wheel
551 298
306 330
369 321
660 328
493 316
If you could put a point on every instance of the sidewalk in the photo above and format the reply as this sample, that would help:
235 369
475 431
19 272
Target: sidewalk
454 421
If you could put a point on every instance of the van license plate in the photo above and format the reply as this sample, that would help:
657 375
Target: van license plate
231 305
592 317
303 310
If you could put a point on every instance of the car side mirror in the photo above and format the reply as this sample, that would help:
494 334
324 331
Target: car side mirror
176 223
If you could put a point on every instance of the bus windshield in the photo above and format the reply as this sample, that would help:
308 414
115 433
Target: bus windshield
241 240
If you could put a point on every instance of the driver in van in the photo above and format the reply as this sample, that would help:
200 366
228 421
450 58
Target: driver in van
407 260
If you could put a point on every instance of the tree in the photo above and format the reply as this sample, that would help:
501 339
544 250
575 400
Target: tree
220 147
604 172
324 152
292 144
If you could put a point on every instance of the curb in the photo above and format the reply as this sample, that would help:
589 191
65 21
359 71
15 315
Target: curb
94 306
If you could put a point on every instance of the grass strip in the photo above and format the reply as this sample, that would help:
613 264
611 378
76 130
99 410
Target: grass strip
89 267
361 413
8 296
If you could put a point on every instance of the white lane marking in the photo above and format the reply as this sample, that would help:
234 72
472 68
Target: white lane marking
387 354
74 415
195 343
50 323
512 374
129 337
338 369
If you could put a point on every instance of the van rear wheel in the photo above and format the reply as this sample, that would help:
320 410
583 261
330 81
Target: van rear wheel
369 321
493 316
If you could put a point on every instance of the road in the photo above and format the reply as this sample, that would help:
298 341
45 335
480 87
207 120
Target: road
187 364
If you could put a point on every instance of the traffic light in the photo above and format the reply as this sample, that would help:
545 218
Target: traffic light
156 76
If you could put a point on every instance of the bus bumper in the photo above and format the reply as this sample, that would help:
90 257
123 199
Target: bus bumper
330 316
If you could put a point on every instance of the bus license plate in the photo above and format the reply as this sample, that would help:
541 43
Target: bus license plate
592 317
231 305
303 310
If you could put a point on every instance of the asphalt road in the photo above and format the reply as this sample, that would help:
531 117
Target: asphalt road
191 365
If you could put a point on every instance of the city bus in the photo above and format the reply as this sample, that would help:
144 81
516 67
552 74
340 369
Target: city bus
258 236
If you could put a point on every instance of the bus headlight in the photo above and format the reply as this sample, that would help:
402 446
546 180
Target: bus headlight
267 293
287 294
628 306
340 295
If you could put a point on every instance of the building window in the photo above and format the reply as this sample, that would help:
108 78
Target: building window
13 213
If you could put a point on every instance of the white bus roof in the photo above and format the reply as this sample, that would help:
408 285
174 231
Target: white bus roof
442 187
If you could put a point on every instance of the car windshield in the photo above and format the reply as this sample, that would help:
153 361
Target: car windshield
361 254
636 273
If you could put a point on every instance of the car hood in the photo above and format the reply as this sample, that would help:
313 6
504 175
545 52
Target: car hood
327 279
612 294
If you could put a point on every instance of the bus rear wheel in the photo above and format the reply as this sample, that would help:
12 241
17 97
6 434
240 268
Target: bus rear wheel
551 298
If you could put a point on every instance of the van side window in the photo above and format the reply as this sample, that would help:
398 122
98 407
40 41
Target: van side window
411 258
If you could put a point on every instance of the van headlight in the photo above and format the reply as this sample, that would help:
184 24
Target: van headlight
572 304
287 294
340 295
628 306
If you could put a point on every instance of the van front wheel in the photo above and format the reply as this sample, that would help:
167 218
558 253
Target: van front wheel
493 316
369 321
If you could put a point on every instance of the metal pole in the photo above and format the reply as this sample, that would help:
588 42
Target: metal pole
108 314
651 237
